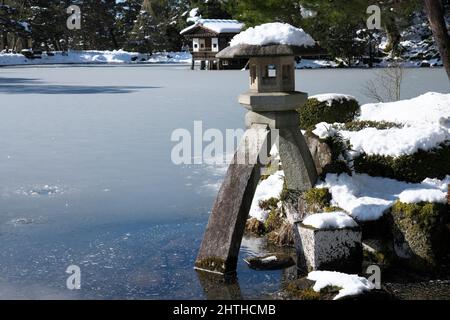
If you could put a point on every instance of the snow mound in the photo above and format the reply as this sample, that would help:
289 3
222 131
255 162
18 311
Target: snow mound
423 195
367 198
330 97
431 108
330 220
351 284
396 142
268 188
274 33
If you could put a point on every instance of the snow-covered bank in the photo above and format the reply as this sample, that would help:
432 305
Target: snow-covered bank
367 198
424 121
96 57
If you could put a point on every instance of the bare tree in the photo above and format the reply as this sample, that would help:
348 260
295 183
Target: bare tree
435 14
387 84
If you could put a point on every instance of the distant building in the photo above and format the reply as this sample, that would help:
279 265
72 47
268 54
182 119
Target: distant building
209 36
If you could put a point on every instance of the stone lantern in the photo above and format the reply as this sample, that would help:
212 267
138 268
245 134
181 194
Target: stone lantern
272 102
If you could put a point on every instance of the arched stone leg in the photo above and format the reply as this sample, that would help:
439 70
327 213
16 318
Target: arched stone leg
296 160
222 240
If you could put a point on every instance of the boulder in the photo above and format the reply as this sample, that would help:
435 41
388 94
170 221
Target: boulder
419 233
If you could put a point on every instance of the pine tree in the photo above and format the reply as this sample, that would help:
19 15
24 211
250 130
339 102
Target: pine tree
145 36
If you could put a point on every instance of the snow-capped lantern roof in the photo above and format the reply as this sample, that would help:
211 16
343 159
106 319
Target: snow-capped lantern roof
217 26
271 39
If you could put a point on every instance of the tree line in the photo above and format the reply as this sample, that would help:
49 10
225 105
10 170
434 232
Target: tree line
155 25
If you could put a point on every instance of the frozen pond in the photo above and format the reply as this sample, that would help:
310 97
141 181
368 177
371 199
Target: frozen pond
86 176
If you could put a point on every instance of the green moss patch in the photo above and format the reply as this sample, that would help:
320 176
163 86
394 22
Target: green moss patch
314 112
359 125
411 168
318 197
213 264
274 221
301 289
269 204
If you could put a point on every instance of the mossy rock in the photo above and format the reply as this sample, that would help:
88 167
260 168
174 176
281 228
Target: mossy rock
340 110
318 198
274 221
410 168
419 233
301 289
255 227
328 154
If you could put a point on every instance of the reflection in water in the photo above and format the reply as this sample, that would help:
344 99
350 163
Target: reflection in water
220 287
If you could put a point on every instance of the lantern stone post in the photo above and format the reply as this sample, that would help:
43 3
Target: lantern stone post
271 101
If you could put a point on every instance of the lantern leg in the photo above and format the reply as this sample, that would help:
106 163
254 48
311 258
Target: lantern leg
222 240
296 159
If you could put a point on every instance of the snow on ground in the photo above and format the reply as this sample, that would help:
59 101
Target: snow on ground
274 33
426 121
351 284
330 220
330 97
92 56
268 188
366 198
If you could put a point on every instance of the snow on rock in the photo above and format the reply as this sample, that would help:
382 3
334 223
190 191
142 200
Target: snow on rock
330 97
268 188
330 220
396 142
431 108
324 130
274 33
367 198
351 284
